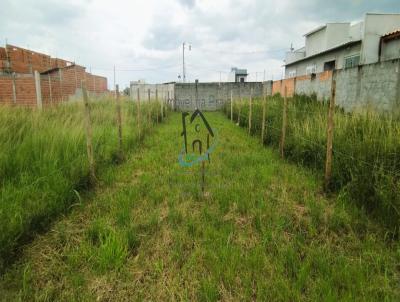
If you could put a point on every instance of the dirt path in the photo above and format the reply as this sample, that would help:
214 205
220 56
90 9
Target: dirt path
264 232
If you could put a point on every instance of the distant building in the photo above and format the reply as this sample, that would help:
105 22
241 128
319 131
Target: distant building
238 75
138 82
346 45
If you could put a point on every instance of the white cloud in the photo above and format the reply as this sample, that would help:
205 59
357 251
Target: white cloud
147 35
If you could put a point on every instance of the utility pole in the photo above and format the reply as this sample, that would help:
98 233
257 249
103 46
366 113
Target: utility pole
183 61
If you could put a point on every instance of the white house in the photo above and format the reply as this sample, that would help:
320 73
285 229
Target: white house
346 45
238 75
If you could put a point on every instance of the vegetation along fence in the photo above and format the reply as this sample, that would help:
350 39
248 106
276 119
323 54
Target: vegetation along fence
50 156
358 152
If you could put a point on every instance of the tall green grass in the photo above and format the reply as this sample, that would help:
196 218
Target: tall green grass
366 149
44 166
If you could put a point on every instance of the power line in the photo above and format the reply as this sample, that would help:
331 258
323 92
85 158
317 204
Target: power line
141 69
243 52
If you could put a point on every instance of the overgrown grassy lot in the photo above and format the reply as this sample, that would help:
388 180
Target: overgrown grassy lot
366 149
44 166
263 232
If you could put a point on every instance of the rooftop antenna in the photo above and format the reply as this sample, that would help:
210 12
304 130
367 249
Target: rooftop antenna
291 47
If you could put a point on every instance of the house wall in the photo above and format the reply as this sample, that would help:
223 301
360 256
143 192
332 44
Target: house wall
293 56
336 34
338 55
316 42
391 50
375 26
356 31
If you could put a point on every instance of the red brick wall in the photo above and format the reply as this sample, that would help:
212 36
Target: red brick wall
3 55
325 76
54 89
5 90
26 61
24 88
25 91
279 87
66 81
56 86
95 83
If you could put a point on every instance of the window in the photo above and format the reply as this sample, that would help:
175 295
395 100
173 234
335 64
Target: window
329 65
311 69
352 61
292 73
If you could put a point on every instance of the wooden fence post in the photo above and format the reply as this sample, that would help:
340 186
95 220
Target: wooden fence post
38 90
61 84
119 122
138 112
162 108
329 141
149 108
240 108
263 115
50 90
157 103
14 89
169 104
231 106
89 134
284 123
250 109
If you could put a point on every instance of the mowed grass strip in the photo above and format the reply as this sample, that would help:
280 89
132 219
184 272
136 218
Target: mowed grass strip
264 232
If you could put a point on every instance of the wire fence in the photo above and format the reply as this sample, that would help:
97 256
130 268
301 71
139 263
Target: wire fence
363 153
36 188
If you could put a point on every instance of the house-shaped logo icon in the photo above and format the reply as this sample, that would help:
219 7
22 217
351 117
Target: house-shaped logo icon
197 138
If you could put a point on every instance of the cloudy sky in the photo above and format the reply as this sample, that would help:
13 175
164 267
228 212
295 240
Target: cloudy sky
143 39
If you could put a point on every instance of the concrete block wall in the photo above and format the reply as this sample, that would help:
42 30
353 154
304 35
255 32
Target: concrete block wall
165 92
374 86
380 85
320 85
212 96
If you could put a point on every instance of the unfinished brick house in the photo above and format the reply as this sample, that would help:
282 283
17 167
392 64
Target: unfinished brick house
32 79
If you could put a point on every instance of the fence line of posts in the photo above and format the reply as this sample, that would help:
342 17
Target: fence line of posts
89 133
264 112
119 121
284 123
282 140
89 129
